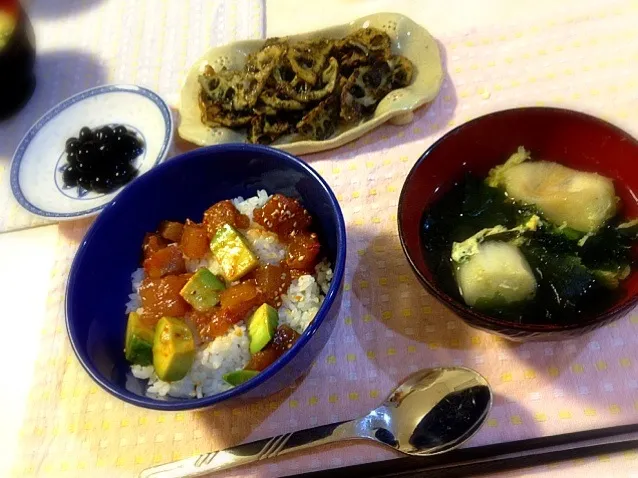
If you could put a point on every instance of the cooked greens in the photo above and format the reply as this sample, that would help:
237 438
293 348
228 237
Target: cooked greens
509 246
307 88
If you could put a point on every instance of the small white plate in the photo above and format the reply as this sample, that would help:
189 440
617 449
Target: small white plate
36 167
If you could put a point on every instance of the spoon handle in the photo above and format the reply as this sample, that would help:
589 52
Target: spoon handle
252 452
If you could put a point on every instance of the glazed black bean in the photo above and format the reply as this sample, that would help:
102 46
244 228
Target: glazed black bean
101 160
85 182
85 134
104 134
70 176
72 145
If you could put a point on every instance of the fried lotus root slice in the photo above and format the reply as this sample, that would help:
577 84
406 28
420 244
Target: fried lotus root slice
321 122
307 59
364 89
275 41
259 67
283 74
262 109
376 41
328 78
402 71
269 55
215 115
278 101
224 88
265 130
362 47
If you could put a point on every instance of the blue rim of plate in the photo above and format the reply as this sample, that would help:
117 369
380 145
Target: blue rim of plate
56 110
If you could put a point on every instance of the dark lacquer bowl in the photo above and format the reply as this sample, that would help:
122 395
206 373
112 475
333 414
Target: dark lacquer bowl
100 278
571 138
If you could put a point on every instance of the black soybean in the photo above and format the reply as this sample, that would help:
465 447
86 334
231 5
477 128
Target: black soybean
72 157
124 173
104 134
102 184
106 151
72 145
86 160
70 176
85 134
100 160
85 182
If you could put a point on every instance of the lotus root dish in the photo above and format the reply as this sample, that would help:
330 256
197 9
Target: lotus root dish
307 89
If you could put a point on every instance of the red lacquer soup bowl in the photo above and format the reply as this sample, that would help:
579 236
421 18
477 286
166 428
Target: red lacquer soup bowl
571 138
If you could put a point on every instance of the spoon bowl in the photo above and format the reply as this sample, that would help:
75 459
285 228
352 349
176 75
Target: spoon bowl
431 412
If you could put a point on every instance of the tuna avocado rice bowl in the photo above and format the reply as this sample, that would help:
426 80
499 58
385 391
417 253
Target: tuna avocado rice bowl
215 303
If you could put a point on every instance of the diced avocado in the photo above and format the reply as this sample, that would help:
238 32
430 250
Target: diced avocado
202 290
233 254
261 327
239 376
138 345
173 349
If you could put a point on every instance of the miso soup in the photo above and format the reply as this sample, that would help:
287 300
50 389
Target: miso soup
533 242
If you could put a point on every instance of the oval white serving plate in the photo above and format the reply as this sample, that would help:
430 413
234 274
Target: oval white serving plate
36 166
408 39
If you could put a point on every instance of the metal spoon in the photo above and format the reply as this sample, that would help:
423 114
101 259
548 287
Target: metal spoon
431 412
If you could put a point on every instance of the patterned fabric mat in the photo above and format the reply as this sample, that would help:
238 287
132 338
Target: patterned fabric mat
388 325
82 44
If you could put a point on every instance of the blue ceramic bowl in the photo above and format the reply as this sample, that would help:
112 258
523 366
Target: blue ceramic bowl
99 282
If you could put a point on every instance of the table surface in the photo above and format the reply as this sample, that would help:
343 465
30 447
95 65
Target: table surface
27 256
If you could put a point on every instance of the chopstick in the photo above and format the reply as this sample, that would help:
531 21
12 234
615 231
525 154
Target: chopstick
499 457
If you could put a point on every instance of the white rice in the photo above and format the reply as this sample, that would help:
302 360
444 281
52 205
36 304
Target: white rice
324 275
134 301
247 206
266 245
231 351
302 301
